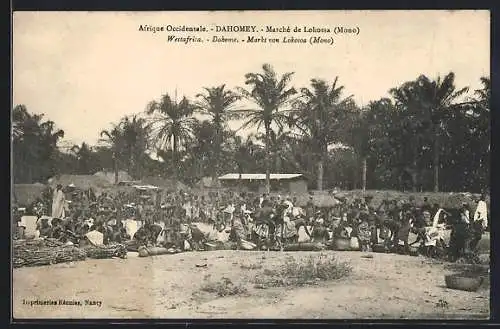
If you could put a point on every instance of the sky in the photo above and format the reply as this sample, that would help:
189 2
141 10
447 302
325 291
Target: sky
86 70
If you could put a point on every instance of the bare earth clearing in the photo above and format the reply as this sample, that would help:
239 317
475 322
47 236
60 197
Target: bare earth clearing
386 286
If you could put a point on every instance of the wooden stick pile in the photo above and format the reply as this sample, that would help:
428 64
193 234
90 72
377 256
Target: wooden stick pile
109 251
44 252
50 251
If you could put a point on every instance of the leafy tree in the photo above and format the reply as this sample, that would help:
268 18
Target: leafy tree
171 125
321 113
218 103
85 158
432 103
272 96
34 144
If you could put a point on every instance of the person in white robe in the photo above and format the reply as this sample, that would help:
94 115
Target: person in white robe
58 203
479 222
481 213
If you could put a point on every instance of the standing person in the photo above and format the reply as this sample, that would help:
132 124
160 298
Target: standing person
426 206
188 206
310 210
367 202
58 201
364 234
459 235
238 232
466 212
480 222
481 213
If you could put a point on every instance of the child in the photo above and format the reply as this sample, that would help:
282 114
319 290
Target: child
364 234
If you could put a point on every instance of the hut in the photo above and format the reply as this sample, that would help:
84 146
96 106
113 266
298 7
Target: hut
290 183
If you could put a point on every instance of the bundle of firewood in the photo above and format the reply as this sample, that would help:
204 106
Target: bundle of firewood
107 251
44 252
50 251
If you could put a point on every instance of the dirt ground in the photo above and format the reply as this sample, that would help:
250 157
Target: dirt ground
387 286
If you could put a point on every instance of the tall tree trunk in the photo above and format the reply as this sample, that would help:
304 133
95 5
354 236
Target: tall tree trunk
355 177
174 157
240 182
414 179
268 165
115 167
363 175
215 169
321 163
30 174
414 169
278 164
435 160
319 184
131 166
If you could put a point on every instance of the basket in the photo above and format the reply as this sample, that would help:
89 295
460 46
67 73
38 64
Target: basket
143 251
460 282
413 251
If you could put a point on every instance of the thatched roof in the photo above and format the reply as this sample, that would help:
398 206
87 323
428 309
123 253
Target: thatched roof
165 183
26 194
81 181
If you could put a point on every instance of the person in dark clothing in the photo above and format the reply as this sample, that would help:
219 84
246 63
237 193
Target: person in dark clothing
45 229
265 214
404 228
373 223
479 223
477 234
310 209
459 235
426 206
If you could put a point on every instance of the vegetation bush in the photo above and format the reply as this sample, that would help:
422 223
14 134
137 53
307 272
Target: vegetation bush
322 267
224 287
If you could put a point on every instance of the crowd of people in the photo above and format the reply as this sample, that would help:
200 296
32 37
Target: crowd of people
68 214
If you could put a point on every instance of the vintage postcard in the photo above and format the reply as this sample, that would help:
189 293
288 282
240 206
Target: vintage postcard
251 164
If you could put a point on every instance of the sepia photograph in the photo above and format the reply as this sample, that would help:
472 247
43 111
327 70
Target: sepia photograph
329 164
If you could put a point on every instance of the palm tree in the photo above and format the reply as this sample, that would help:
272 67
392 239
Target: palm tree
360 132
34 145
272 97
481 122
282 151
320 112
135 135
436 101
218 103
114 139
484 95
83 154
171 124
